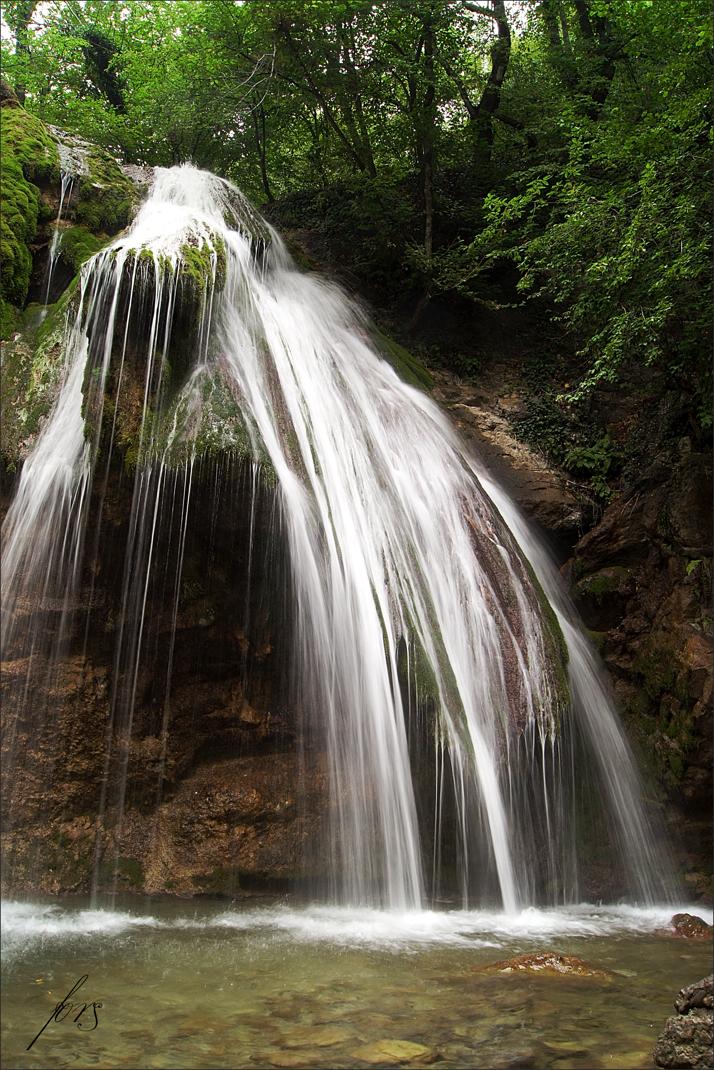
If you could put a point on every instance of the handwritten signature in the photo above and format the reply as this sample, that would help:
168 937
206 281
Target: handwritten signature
64 1009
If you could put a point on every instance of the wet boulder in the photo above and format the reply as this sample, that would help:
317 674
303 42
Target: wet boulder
691 926
689 1035
549 963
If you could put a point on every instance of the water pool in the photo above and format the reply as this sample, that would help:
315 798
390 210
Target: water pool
272 984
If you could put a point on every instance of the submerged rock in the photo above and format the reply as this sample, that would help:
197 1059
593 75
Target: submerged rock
688 1036
548 962
393 1052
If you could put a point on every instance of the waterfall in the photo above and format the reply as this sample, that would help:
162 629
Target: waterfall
431 636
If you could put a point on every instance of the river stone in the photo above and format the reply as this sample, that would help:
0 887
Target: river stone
700 994
392 1051
288 1060
317 1036
549 963
687 1042
691 926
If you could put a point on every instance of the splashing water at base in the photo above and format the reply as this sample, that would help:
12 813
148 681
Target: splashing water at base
419 627
198 985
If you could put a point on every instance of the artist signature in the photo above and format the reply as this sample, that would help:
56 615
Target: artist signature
64 1009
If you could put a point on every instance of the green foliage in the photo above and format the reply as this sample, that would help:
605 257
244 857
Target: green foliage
585 169
570 441
615 236
363 223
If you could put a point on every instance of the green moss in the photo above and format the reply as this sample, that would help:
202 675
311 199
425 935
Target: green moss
127 871
77 245
655 665
9 316
30 374
27 154
598 640
607 581
558 653
196 265
106 196
405 364
415 670
27 140
203 420
224 880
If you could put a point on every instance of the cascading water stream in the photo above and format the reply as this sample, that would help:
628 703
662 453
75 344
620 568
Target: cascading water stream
66 184
416 615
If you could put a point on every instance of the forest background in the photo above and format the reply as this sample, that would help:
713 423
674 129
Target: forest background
551 156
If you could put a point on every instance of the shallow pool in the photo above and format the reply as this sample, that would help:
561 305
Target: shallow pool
263 984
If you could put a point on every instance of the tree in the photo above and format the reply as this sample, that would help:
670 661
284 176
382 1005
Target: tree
18 15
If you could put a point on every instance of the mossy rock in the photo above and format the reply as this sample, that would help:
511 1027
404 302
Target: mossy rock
202 420
28 154
222 881
557 648
30 375
106 196
613 580
127 872
9 318
27 139
405 364
416 672
203 264
656 665
77 245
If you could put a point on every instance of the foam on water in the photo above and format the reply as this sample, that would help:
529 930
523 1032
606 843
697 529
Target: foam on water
26 924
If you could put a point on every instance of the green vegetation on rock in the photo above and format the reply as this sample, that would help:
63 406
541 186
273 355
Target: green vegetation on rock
405 364
77 244
106 196
202 420
201 266
27 155
30 374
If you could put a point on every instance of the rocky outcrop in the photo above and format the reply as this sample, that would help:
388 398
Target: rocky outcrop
200 788
98 197
687 1042
641 578
560 507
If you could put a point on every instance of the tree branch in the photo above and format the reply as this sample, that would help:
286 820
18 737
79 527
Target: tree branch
478 10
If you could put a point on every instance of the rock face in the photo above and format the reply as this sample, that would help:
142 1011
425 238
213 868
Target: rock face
688 1037
640 573
202 787
560 509
641 579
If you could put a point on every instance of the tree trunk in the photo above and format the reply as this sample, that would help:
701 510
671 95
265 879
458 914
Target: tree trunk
20 26
259 130
427 147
